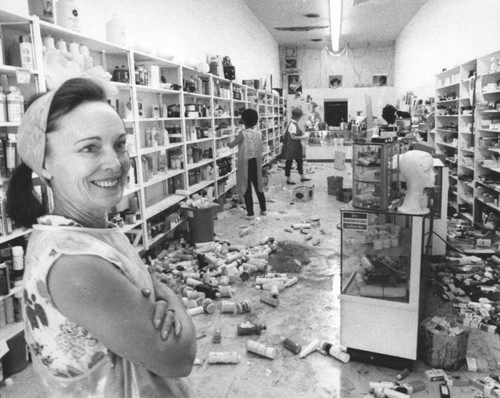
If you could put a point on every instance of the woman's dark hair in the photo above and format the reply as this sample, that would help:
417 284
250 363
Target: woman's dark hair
250 117
23 206
389 114
297 113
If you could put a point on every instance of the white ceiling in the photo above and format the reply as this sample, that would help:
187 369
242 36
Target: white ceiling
363 21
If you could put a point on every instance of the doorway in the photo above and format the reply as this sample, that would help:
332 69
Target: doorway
335 112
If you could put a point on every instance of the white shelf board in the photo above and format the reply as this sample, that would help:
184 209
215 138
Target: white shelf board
169 201
10 330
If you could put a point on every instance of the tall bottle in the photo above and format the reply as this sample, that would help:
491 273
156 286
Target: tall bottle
10 153
26 51
15 104
116 31
74 50
63 49
88 62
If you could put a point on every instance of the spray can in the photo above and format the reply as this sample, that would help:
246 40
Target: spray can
248 328
261 349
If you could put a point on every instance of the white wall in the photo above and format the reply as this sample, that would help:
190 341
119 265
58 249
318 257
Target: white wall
357 66
187 29
355 97
444 33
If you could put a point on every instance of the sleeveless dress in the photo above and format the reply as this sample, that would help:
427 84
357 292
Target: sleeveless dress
251 147
68 359
292 149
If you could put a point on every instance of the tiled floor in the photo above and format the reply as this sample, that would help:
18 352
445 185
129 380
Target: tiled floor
308 310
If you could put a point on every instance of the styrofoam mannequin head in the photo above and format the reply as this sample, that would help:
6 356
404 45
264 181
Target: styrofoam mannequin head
416 169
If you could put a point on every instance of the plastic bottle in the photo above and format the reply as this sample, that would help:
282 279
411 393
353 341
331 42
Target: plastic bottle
15 104
10 152
26 51
77 58
3 106
247 328
88 62
116 30
18 265
68 14
63 49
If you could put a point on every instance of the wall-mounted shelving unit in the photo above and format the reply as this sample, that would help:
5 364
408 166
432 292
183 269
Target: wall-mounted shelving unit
179 119
468 133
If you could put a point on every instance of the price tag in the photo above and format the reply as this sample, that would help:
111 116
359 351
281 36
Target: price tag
484 242
23 76
4 348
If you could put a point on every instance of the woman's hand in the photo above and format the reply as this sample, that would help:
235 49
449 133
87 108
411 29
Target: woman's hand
163 317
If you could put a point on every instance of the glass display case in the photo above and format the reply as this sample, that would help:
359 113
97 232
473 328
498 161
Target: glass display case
381 281
375 174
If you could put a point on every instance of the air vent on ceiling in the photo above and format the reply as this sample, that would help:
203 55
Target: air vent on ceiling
316 39
301 28
312 15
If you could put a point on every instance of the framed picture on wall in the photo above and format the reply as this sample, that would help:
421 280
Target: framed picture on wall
291 65
294 84
379 80
335 81
291 52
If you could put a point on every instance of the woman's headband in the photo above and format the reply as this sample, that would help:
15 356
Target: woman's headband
31 133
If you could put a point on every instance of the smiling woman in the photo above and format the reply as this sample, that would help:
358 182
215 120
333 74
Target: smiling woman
98 324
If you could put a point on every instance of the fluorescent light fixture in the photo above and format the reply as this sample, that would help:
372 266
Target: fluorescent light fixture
335 21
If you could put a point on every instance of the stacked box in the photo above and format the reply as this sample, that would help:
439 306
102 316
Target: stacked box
443 344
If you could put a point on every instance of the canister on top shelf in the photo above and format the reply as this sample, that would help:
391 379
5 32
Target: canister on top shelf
68 14
116 30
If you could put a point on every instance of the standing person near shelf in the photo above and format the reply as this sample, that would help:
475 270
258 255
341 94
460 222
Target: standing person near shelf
249 171
292 147
98 324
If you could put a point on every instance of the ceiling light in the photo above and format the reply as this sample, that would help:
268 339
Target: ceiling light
335 23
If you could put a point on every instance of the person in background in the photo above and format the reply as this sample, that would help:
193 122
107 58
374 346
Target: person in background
390 114
249 170
292 147
98 323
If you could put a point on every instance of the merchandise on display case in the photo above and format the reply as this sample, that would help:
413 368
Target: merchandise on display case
375 174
